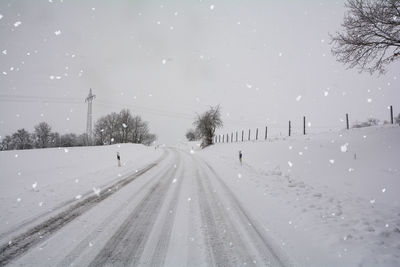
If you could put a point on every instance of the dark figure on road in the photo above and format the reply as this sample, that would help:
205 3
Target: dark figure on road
240 157
119 159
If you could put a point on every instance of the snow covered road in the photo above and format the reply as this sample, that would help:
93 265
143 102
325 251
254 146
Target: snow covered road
175 212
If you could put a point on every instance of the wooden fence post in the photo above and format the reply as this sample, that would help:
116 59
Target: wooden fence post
290 128
236 136
304 125
223 138
257 134
249 135
391 114
242 134
347 121
266 132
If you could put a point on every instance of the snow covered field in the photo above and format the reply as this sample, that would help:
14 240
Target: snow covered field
318 200
329 199
34 182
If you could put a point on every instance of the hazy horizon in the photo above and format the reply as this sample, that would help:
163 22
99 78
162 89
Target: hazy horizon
264 62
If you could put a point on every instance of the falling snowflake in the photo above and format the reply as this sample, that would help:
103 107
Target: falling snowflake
58 32
383 190
290 164
174 181
164 61
19 200
212 7
78 197
369 100
298 98
331 161
17 24
1 16
372 201
343 148
34 185
326 93
124 125
66 150
249 86
191 151
40 203
280 54
189 199
239 175
90 244
96 191
76 180
351 170
4 51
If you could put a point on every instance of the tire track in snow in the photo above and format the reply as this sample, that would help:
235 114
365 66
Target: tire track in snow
127 244
80 248
161 250
220 254
224 246
39 233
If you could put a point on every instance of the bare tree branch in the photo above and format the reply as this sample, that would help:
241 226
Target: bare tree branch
371 37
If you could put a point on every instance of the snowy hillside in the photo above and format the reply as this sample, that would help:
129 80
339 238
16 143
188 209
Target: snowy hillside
34 182
328 199
318 200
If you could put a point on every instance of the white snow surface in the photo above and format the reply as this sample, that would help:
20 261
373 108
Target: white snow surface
333 206
44 179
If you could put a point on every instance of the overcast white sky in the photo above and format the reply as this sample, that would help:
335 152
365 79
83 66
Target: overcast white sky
264 62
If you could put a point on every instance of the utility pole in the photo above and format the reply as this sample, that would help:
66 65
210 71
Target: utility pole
89 130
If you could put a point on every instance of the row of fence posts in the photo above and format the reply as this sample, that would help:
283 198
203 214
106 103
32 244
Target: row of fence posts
218 139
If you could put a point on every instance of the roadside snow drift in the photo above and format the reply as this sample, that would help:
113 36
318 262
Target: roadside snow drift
329 199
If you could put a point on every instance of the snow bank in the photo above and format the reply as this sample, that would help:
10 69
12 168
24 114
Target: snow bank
328 199
34 182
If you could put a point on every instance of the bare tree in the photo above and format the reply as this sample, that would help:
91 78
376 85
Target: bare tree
207 123
122 128
42 134
149 139
371 37
7 143
192 135
125 125
106 128
22 139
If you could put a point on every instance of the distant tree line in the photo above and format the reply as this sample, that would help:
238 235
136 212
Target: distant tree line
111 129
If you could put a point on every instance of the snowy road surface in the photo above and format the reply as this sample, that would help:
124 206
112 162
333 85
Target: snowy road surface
175 212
